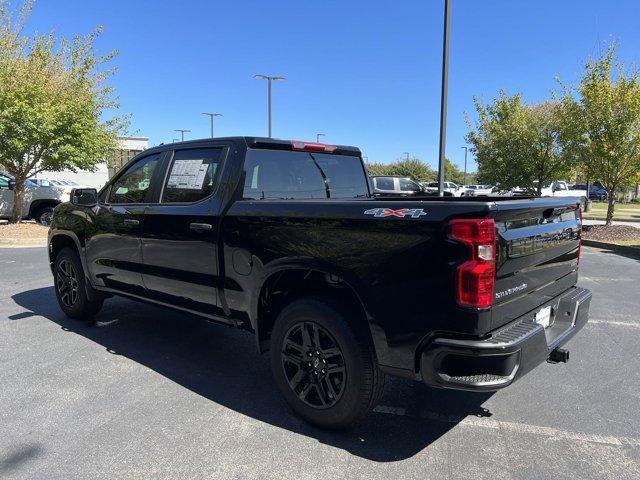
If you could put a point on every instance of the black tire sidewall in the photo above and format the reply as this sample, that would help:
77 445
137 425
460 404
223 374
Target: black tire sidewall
355 398
83 309
40 212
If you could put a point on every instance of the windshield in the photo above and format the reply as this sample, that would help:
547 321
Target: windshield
279 174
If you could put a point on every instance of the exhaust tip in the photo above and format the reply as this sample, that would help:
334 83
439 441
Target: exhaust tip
558 355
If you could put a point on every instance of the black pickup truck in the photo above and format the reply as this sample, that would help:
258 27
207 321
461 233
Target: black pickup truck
284 239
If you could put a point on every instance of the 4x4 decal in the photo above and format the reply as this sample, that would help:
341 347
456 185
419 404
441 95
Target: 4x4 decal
403 212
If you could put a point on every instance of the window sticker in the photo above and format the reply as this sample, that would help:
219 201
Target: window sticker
188 174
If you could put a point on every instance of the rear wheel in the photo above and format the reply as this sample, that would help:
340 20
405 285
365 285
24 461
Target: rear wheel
70 287
325 368
43 215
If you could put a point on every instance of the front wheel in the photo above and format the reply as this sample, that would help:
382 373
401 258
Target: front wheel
70 287
324 366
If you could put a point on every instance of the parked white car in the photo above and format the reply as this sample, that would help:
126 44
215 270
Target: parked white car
39 202
560 188
453 188
477 190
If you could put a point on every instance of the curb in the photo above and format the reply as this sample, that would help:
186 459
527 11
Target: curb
22 242
621 249
632 220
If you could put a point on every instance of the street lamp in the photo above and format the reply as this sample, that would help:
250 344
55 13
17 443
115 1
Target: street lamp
174 140
181 130
465 164
443 96
407 154
211 115
269 79
318 135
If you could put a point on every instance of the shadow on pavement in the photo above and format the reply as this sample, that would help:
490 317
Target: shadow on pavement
223 366
17 456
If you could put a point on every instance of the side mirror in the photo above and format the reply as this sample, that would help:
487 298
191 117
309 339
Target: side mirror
86 197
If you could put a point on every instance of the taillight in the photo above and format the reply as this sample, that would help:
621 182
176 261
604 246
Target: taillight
475 278
312 147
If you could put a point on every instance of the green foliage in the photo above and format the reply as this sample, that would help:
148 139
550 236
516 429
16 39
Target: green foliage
516 144
603 128
408 167
52 98
452 173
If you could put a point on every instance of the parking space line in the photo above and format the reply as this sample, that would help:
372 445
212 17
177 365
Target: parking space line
613 322
517 427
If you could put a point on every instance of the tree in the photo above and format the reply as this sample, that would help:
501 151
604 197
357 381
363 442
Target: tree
407 167
518 145
452 173
603 132
52 98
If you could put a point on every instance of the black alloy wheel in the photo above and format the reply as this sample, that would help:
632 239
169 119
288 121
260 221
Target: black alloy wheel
313 365
67 283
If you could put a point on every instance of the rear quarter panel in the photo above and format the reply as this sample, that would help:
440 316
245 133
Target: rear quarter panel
399 267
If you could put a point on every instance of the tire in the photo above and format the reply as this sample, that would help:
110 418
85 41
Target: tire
43 215
69 283
329 377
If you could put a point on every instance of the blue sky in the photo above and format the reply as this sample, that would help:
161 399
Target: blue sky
365 73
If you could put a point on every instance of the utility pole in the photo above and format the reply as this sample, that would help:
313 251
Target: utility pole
465 164
407 154
211 115
269 79
181 130
443 96
318 135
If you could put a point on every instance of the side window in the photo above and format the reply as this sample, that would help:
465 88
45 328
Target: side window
4 183
383 183
407 185
133 185
192 175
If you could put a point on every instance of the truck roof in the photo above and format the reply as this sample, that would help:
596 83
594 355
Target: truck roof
267 143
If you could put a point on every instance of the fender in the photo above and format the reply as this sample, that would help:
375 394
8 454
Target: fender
377 333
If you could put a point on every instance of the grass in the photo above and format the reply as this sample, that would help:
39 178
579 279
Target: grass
628 243
629 212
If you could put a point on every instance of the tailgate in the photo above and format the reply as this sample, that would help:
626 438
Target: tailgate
538 245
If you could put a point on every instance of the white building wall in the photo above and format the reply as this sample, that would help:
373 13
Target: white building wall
100 176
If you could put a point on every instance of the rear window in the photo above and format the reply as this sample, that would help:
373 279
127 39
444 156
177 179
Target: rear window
277 174
384 183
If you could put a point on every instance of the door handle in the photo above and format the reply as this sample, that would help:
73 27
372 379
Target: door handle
200 226
131 221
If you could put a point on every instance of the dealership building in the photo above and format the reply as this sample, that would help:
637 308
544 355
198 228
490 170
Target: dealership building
128 147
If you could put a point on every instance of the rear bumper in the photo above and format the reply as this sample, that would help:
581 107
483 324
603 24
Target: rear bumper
509 352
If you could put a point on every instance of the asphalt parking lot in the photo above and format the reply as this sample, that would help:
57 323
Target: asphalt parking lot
151 393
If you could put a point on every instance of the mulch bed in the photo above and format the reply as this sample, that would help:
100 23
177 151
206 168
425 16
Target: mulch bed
23 231
611 233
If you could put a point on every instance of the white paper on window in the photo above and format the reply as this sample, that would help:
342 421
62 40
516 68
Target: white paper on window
188 174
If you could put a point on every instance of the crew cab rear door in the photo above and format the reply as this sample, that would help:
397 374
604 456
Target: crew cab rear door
538 245
180 231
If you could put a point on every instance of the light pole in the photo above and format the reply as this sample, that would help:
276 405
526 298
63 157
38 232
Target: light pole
465 164
443 96
269 79
181 130
211 115
407 154
174 140
318 135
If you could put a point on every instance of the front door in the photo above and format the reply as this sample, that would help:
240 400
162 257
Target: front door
180 232
113 249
